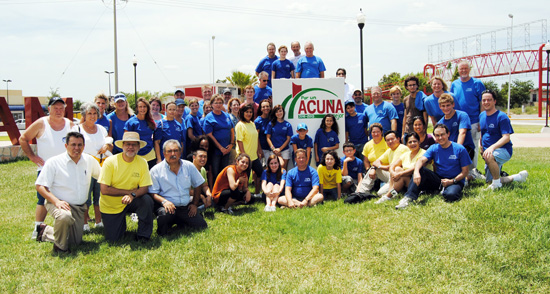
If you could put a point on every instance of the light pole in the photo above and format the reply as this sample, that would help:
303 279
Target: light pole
511 16
134 62
115 43
547 49
109 74
361 24
213 63
8 93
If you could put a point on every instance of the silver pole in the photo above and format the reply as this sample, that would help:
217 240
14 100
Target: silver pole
116 55
510 75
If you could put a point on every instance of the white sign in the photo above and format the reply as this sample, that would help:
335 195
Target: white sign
309 100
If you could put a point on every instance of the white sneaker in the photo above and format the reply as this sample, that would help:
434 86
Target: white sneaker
493 186
476 175
403 203
523 176
267 208
134 217
99 225
382 199
86 228
228 210
34 234
273 208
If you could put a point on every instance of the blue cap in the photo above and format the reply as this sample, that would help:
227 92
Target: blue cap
119 96
55 100
301 126
180 101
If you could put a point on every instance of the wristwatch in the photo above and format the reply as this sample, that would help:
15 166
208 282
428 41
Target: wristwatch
454 180
164 201
133 195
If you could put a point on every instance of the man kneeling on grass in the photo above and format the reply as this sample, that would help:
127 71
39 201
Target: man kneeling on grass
451 161
302 184
64 182
172 180
495 141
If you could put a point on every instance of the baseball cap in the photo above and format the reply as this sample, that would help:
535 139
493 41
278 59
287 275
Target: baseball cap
350 102
180 101
56 99
119 97
226 90
179 90
301 126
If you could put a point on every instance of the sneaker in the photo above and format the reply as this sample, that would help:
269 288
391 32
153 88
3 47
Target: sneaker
523 176
493 186
382 199
134 217
228 210
267 208
99 225
403 203
34 234
476 175
86 228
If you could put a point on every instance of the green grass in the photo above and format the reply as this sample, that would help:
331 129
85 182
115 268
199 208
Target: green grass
519 129
528 110
487 242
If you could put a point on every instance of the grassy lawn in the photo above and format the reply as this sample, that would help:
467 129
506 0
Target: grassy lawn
519 129
487 242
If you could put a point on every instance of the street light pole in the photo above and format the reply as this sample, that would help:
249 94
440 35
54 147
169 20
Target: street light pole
109 74
8 91
134 62
116 54
361 24
511 16
547 49
213 63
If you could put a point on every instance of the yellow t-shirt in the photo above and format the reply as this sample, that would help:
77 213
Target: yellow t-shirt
391 155
329 178
373 151
407 162
247 133
120 174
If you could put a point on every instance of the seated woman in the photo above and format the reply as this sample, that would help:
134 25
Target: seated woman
273 182
232 184
375 147
419 125
402 169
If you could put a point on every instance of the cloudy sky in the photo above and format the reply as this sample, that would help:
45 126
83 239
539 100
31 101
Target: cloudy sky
68 44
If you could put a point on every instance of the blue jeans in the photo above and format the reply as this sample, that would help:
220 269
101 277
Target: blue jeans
431 181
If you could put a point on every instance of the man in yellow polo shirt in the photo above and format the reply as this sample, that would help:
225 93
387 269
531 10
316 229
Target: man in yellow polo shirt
380 167
125 181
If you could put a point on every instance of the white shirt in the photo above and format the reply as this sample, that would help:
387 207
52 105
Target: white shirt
296 58
94 142
348 91
67 180
52 142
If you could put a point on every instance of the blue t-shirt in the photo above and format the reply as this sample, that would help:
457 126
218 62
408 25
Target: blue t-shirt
468 95
354 167
493 127
201 111
193 122
382 114
261 125
360 108
304 144
355 127
282 68
400 108
169 129
310 67
279 133
459 121
261 94
135 124
448 161
104 121
118 129
419 100
273 178
324 139
220 126
302 182
431 106
265 65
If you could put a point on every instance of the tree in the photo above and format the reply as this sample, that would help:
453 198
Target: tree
240 80
388 81
54 93
147 94
493 86
519 92
77 104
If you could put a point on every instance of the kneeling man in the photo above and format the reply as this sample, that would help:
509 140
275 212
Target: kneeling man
172 180
451 161
302 184
64 182
496 147
124 182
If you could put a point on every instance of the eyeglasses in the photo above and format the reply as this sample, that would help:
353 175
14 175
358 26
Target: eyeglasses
264 80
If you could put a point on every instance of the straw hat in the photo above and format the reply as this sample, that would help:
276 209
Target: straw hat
130 137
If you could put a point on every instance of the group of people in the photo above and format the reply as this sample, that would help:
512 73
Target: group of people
204 153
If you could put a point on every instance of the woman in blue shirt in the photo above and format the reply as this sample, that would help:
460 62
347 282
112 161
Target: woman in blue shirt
168 128
118 119
219 128
261 123
278 134
144 124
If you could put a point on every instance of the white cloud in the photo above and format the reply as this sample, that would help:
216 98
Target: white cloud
422 29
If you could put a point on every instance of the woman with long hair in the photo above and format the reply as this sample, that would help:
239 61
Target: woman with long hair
156 108
273 182
425 140
278 134
326 138
431 103
231 185
144 124
247 142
